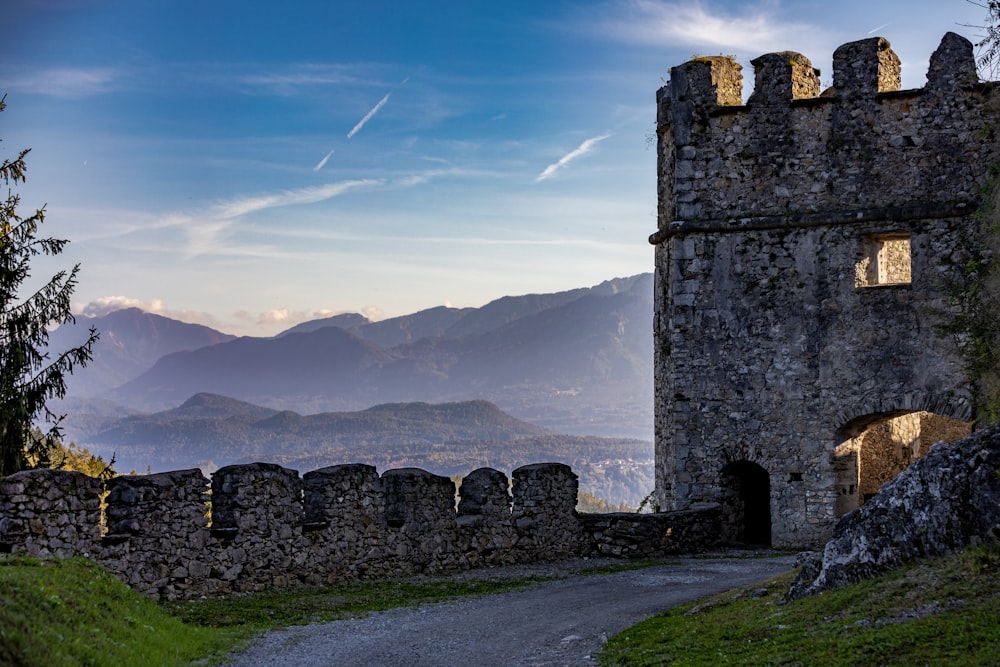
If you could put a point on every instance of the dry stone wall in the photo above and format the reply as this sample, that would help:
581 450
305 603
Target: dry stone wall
258 526
772 335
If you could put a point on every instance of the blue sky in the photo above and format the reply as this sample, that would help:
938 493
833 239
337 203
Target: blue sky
252 165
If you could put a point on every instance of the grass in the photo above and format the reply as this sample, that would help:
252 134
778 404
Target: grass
59 612
72 612
943 611
261 611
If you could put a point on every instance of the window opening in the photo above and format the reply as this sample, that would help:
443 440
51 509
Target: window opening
885 260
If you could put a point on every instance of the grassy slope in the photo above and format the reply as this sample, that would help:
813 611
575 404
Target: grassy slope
945 611
72 612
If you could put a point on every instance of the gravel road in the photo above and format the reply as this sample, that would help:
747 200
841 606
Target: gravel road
561 622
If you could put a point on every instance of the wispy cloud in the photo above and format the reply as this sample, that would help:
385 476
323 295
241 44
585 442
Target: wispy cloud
109 304
754 28
240 206
298 77
322 163
287 317
368 116
581 150
427 176
67 82
205 230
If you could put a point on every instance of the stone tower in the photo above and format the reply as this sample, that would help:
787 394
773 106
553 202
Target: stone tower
804 245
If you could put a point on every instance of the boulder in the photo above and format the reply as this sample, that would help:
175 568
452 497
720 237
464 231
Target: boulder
945 501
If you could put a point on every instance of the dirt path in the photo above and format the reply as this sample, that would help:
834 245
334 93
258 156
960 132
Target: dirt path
563 622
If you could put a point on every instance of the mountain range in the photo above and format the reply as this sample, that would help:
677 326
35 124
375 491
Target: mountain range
573 364
446 438
576 362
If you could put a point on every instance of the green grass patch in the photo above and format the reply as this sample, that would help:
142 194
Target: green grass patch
257 612
294 606
72 612
943 611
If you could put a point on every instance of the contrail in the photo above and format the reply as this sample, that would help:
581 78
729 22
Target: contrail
582 149
323 162
878 28
368 116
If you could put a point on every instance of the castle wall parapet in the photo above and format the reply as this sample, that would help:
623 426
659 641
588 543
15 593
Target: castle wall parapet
57 515
794 149
259 526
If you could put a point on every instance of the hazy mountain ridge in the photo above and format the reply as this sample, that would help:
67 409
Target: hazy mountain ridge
131 341
208 431
430 323
578 362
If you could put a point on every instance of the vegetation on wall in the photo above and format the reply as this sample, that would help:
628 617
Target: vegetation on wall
983 345
974 319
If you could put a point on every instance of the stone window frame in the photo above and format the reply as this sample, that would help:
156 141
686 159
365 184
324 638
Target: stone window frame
881 257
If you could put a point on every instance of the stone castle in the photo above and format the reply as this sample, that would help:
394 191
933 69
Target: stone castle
804 247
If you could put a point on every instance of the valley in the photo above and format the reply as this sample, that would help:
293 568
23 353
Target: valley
561 377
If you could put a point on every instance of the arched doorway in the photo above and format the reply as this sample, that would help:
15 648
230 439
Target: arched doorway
746 504
874 449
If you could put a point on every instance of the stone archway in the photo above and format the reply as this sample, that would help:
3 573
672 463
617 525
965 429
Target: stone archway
874 449
746 503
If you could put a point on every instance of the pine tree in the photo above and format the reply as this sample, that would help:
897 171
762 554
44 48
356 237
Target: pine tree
29 376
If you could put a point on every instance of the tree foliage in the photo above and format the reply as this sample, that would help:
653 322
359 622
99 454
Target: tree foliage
989 44
29 375
74 457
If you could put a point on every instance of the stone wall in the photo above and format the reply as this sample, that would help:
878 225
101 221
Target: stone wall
804 247
258 526
879 452
652 535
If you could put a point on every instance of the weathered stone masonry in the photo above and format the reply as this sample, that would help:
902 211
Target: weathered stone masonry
262 526
803 245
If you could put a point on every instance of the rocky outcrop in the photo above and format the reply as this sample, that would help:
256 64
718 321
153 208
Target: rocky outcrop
948 499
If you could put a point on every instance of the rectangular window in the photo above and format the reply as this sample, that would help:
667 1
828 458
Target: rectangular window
885 260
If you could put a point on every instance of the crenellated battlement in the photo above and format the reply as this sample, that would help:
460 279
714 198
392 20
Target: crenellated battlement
257 526
861 139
